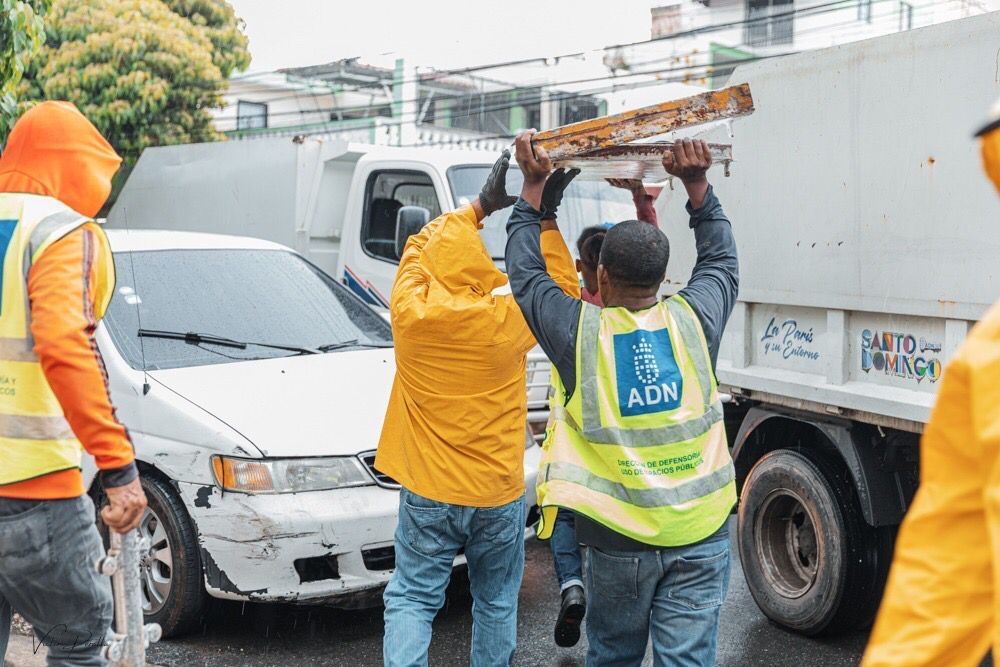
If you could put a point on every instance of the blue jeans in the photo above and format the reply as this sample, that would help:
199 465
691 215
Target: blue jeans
566 551
47 554
428 538
673 595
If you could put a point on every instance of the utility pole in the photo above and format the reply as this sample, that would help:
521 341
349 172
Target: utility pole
549 111
405 106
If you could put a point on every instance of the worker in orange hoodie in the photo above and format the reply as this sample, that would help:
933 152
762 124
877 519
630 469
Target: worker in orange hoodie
942 601
454 432
57 279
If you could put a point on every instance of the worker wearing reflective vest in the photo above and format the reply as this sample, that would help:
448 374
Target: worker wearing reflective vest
636 444
942 600
57 279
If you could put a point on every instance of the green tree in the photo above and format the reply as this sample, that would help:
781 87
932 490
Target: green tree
144 74
21 35
221 25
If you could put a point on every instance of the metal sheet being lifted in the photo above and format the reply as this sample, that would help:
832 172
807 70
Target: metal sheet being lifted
642 161
588 136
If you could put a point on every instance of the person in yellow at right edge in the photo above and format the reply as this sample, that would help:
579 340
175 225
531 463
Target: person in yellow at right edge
56 279
454 432
942 600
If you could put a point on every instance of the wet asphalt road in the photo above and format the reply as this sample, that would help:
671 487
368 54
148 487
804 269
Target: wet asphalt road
236 634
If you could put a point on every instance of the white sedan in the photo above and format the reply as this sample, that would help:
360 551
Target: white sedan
254 387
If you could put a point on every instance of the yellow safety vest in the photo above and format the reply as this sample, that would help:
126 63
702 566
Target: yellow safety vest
641 445
35 438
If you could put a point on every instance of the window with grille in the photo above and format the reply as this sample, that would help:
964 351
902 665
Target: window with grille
769 22
251 115
905 16
865 10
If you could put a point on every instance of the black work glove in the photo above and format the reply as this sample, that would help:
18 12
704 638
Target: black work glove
554 187
494 195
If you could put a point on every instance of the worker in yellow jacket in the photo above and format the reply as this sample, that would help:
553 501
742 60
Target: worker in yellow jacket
941 605
454 430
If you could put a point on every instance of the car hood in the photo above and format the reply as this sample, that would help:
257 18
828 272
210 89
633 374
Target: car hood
310 405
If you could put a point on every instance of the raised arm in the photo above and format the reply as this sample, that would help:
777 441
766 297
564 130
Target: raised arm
644 209
558 260
550 313
714 284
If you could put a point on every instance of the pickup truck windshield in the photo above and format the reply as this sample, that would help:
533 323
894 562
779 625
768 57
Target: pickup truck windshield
272 297
585 203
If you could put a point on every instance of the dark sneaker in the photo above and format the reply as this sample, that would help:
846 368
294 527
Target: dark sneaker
574 607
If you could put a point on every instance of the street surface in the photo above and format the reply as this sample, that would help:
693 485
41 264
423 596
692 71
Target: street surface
235 634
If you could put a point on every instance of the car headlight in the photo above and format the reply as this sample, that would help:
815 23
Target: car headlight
289 475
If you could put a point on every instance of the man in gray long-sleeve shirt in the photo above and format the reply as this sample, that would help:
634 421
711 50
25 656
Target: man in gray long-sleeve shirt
636 445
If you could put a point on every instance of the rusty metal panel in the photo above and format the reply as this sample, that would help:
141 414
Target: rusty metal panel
642 161
591 135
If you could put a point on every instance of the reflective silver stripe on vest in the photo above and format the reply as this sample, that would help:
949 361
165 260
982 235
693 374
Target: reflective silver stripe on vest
59 224
35 428
645 498
16 349
596 433
695 344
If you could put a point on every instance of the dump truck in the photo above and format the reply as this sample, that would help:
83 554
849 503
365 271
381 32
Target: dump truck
869 241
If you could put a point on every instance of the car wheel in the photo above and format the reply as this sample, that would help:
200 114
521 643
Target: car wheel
173 592
811 562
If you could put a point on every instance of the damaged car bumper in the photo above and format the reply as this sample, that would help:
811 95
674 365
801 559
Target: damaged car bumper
323 547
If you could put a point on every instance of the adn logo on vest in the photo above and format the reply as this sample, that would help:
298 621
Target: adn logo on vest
647 374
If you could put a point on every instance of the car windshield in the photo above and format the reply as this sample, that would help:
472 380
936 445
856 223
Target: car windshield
585 203
257 296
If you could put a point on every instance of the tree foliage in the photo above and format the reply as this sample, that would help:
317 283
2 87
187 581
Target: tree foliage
223 28
21 35
145 72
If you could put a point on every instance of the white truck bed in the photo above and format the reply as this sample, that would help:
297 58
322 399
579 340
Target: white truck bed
860 210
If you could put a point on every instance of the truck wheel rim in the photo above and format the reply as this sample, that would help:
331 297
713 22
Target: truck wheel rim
786 544
156 565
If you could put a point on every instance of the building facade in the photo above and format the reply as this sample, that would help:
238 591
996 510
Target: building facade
400 106
692 45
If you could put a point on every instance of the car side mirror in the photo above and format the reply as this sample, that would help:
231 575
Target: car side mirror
409 221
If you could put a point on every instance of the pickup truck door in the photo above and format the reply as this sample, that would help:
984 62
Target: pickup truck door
380 188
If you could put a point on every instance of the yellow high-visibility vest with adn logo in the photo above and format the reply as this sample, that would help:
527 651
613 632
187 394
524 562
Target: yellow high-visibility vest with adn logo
35 438
640 447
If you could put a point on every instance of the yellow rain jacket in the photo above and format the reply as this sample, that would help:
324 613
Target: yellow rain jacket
454 430
942 601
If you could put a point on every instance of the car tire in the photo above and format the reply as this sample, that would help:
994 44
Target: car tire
811 562
180 606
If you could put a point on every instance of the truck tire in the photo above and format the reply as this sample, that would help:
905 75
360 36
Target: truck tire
173 591
811 562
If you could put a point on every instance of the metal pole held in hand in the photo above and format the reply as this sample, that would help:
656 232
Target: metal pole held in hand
127 646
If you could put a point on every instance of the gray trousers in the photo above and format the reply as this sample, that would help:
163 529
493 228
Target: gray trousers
47 554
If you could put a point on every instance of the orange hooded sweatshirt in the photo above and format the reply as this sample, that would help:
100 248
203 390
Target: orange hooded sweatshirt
454 430
55 151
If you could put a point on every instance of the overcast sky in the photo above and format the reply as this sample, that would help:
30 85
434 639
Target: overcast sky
439 33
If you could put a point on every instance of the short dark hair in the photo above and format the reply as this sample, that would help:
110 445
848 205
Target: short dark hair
635 254
590 251
586 234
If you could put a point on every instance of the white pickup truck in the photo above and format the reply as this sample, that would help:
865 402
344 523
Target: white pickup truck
337 204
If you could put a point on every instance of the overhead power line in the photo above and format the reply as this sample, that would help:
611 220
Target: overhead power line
541 96
814 10
689 71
